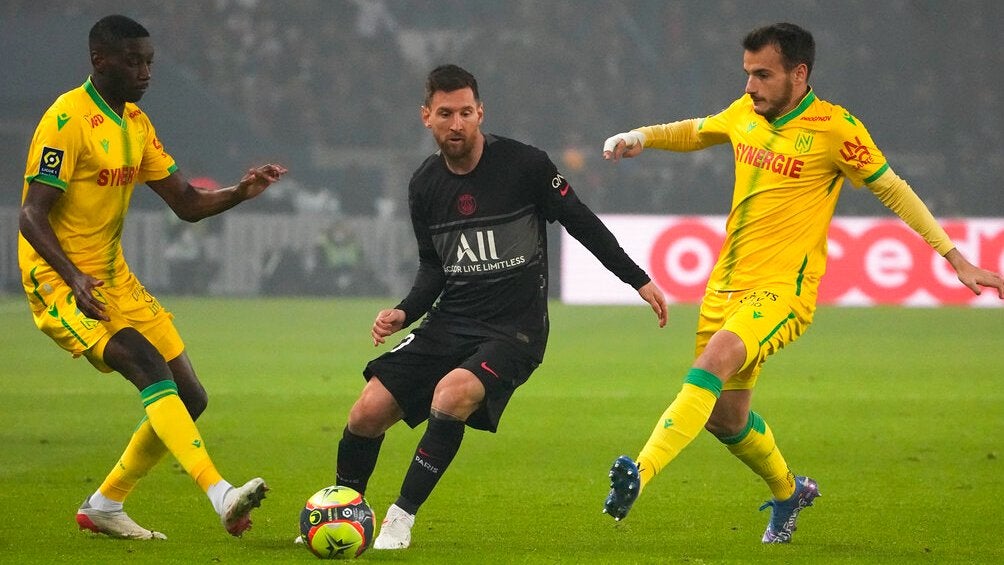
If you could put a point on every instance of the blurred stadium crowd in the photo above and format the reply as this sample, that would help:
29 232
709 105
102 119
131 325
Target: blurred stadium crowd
338 84
564 74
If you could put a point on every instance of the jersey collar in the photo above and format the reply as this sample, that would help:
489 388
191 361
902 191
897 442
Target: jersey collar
797 111
100 102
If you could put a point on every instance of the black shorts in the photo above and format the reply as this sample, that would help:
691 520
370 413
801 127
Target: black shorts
413 368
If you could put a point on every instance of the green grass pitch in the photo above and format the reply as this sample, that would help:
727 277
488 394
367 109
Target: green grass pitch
896 412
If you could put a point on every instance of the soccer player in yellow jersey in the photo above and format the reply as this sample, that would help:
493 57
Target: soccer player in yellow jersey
792 152
90 149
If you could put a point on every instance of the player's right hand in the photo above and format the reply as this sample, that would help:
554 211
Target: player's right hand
627 144
256 180
87 300
386 323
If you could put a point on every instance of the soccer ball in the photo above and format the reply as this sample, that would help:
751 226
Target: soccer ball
336 523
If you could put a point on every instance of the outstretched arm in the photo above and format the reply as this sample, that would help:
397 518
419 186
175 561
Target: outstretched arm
192 203
683 135
898 196
582 224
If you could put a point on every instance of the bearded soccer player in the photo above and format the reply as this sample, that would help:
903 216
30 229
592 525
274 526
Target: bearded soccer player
792 152
479 208
90 149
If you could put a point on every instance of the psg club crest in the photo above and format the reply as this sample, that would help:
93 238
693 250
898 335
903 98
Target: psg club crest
466 204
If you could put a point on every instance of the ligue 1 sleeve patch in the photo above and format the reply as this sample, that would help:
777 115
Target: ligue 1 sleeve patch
51 163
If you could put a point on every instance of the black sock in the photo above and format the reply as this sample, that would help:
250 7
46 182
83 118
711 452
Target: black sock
435 451
357 457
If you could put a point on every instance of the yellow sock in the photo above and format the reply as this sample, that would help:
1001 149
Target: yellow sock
680 423
175 428
755 446
143 452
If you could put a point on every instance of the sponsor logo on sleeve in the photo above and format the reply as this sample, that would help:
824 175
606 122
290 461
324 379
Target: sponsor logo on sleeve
856 153
561 184
51 163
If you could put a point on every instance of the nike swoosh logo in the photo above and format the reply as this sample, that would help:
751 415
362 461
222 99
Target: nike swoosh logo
422 452
484 365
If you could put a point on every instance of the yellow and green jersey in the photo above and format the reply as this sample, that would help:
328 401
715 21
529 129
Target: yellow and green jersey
96 157
788 177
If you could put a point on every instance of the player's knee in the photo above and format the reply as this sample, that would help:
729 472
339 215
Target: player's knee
372 415
129 353
458 389
725 425
365 425
196 402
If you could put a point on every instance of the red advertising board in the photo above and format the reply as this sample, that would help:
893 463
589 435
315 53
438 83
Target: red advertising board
871 261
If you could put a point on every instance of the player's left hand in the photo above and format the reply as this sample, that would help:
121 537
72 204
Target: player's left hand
651 294
259 178
974 277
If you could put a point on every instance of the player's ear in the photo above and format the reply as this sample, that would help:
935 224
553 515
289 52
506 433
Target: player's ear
97 60
802 72
426 113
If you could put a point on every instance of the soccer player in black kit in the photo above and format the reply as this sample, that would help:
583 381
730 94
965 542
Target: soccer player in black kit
479 208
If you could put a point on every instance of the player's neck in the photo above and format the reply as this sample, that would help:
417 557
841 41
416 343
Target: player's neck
117 106
792 104
467 163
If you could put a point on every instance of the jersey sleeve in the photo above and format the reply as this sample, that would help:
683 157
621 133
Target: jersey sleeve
430 280
55 148
157 162
897 195
691 134
559 202
854 151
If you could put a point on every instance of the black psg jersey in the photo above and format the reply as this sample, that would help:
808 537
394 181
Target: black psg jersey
482 242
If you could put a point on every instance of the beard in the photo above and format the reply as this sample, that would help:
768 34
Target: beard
456 151
781 103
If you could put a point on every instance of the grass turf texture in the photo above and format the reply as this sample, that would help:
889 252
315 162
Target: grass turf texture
896 412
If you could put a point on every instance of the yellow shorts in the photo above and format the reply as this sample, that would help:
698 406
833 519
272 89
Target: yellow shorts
128 305
766 319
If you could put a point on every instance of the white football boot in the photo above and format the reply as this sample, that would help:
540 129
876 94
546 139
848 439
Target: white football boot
116 524
395 530
238 503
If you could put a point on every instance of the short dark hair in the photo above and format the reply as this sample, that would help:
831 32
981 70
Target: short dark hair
110 31
795 43
447 78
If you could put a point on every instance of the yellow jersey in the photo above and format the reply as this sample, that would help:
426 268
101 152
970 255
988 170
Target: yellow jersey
96 157
789 172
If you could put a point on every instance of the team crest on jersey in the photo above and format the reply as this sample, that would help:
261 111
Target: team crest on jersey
804 142
51 163
466 204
